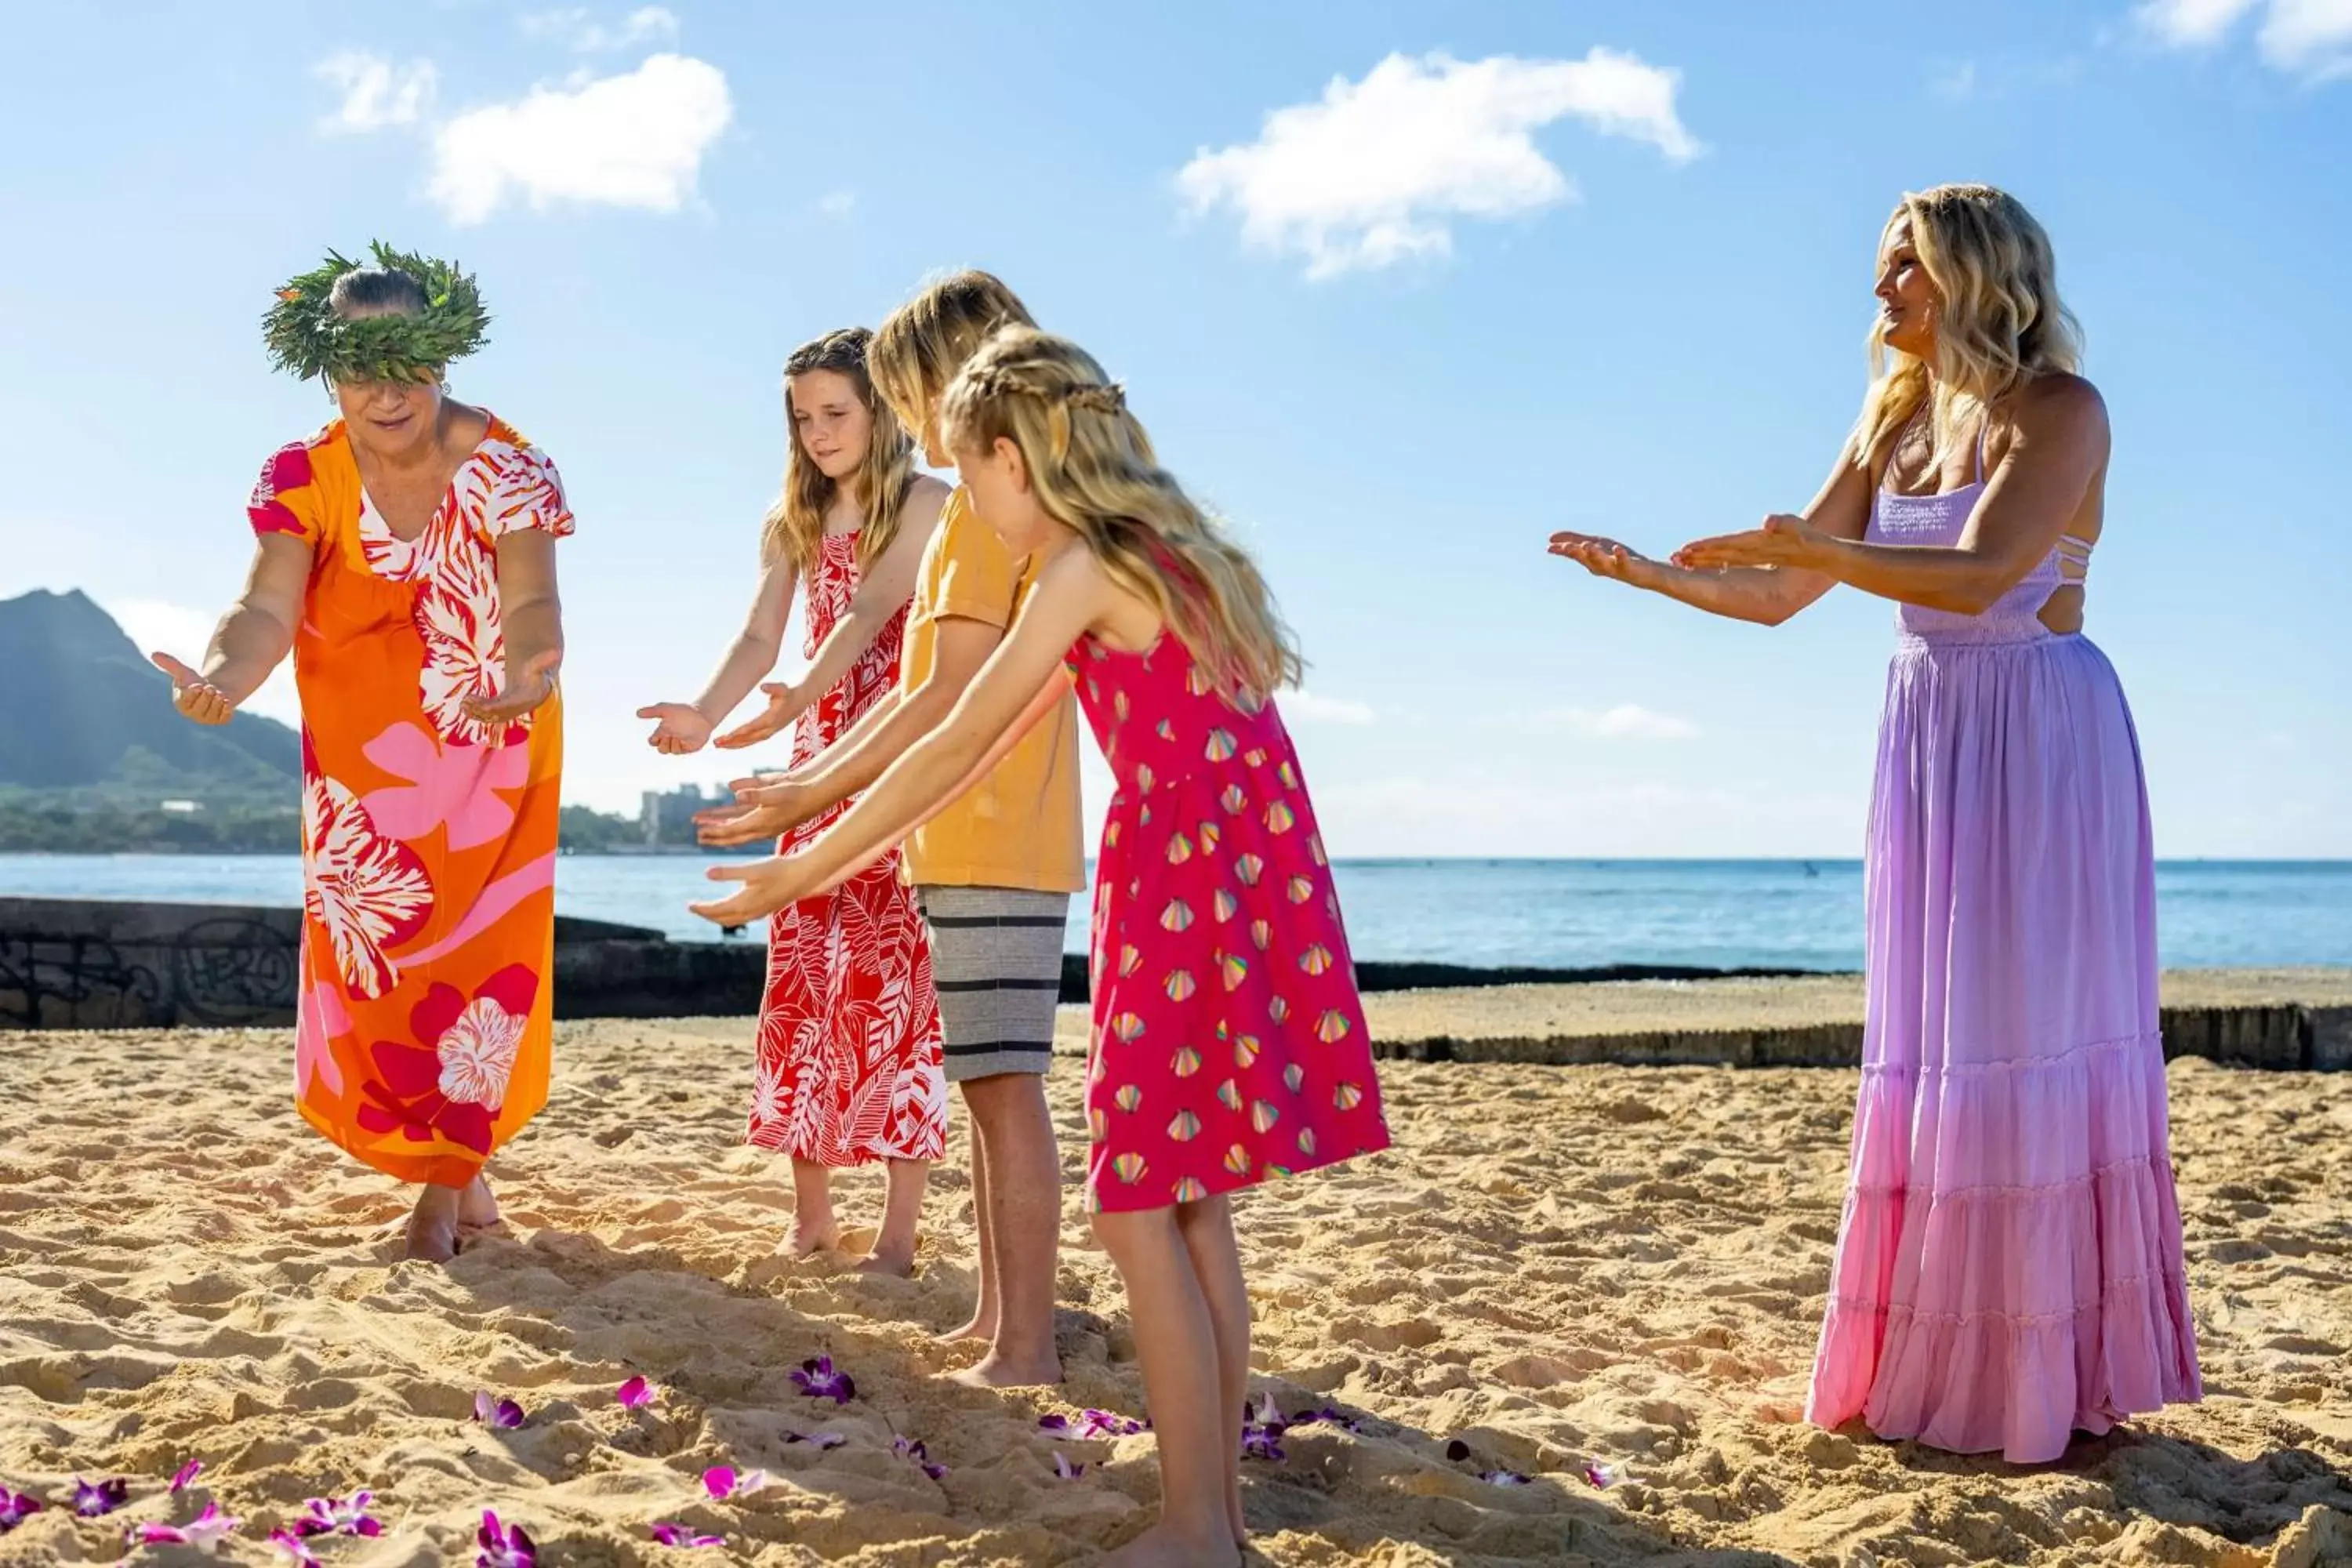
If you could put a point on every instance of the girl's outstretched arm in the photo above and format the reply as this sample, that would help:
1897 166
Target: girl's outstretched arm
882 592
680 728
1019 684
1765 595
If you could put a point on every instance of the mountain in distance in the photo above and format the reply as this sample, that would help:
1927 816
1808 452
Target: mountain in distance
80 708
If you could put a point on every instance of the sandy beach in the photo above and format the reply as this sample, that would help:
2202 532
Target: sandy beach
1558 1266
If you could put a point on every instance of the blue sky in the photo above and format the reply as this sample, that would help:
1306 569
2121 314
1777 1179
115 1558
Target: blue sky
1398 334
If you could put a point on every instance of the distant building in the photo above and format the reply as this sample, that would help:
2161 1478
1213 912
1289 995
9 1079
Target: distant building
667 817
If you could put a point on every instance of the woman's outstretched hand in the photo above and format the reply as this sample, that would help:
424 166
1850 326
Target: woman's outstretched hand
528 686
768 886
1602 557
1783 540
762 808
680 729
192 694
785 704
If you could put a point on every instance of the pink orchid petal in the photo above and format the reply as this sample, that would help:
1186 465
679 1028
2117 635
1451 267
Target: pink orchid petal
634 1394
295 1548
16 1507
187 1474
684 1535
1597 1474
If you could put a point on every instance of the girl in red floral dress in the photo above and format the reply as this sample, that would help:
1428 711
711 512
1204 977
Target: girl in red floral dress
1229 1045
849 1070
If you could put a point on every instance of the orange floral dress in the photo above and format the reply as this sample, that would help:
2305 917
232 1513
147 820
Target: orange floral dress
429 839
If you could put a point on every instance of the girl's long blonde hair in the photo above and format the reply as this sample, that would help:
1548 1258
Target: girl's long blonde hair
795 525
923 343
1998 318
1092 468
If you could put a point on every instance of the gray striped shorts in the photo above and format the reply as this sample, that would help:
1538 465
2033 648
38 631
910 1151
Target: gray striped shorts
996 955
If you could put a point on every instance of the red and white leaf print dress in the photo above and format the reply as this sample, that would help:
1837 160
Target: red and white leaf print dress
849 1068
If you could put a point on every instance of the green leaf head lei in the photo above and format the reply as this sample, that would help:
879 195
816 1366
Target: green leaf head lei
305 336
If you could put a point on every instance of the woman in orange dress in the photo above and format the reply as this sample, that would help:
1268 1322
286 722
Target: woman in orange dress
406 556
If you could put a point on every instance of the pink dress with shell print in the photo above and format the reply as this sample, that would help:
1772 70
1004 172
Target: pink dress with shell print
1229 1043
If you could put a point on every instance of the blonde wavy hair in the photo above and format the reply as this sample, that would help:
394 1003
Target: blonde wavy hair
923 343
1998 318
795 526
1092 470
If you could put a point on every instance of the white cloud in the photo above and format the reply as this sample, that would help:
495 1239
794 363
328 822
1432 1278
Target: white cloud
1625 721
1304 704
1958 83
837 204
577 28
158 627
2312 38
377 94
1372 173
632 141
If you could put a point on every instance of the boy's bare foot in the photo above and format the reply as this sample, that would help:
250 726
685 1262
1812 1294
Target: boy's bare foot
432 1235
978 1329
994 1370
1160 1547
808 1239
898 1266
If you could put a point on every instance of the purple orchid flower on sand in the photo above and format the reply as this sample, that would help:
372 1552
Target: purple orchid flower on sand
1262 1431
295 1547
1064 1469
909 1448
492 1411
820 1441
331 1515
684 1535
96 1500
500 1545
1503 1478
1597 1474
202 1531
723 1481
817 1379
634 1394
16 1507
1092 1425
187 1475
1331 1414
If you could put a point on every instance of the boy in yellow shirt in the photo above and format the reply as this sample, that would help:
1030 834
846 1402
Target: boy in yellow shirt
993 872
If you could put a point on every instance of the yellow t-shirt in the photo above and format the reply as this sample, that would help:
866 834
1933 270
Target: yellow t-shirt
1019 826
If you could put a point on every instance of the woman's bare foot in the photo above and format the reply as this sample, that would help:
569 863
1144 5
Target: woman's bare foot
1160 1547
432 1225
994 1370
477 1207
809 1238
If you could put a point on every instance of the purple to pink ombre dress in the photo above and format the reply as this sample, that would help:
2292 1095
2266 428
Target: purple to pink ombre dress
2008 1266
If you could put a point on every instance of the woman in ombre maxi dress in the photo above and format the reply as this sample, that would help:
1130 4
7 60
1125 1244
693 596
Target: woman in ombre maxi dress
2008 1266
405 556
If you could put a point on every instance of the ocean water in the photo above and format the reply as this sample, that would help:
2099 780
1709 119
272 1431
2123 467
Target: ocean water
1781 914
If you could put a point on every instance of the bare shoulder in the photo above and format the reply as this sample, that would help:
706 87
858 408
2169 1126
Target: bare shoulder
2058 406
926 498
